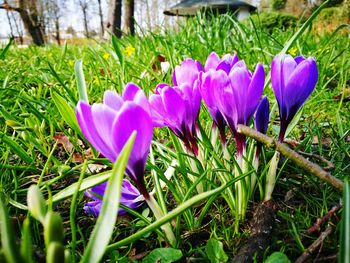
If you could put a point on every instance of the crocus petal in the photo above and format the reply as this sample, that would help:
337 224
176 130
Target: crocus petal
212 61
240 79
276 80
93 208
112 100
131 118
186 73
262 116
174 105
299 59
130 197
287 69
255 91
227 62
87 126
300 85
132 92
103 117
157 111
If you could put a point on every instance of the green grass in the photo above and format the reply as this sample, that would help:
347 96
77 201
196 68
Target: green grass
29 120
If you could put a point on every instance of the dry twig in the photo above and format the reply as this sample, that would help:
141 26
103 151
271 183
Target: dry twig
311 167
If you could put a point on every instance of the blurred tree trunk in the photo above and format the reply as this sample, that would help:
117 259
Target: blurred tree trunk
101 18
9 21
19 29
114 17
84 8
129 20
57 26
28 11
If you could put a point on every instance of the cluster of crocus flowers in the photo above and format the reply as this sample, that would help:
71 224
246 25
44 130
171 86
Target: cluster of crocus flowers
232 94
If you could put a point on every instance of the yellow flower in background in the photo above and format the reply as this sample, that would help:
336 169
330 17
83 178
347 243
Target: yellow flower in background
50 55
96 80
293 51
71 63
106 56
130 50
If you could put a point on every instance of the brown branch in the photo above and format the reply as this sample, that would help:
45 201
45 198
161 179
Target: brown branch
8 7
308 166
318 242
329 166
316 227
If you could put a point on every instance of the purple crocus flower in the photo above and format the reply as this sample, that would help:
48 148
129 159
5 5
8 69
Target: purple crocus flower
187 73
130 197
262 115
261 121
236 95
225 63
177 108
293 80
108 126
208 86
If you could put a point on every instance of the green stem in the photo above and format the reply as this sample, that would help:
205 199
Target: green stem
271 176
158 213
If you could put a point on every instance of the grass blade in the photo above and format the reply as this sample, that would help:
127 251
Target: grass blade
174 213
344 256
17 149
79 74
67 113
6 49
86 184
105 223
303 28
7 237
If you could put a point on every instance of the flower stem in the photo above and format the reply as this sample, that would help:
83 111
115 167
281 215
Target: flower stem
158 213
271 176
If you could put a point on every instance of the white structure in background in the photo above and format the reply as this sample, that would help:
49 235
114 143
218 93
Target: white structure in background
242 8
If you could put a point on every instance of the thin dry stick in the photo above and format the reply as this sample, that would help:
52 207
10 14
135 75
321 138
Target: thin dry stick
318 242
316 227
292 155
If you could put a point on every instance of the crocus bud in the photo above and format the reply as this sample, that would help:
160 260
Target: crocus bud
36 203
55 253
53 228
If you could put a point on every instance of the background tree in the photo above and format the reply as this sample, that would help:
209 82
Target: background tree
101 18
84 5
29 11
129 20
114 17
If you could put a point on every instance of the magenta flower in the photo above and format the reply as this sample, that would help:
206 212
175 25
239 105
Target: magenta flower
187 73
130 197
235 95
261 121
177 108
208 86
108 126
293 80
262 116
225 63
